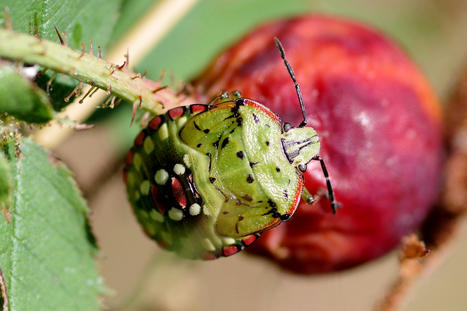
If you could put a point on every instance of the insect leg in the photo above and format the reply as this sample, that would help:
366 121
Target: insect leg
334 204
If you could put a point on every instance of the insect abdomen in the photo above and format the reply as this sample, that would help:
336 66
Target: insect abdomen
165 194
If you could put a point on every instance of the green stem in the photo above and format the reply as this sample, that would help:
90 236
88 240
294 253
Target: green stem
87 68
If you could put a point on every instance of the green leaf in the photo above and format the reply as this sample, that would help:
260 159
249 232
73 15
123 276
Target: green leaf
21 98
5 183
46 249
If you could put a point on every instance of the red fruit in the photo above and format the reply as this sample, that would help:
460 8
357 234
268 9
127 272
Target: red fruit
380 129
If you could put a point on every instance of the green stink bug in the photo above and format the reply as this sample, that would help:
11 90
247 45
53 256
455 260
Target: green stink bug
205 180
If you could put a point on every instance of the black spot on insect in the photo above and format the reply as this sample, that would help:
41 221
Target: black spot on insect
212 180
238 102
216 143
249 179
271 203
260 201
273 212
206 131
285 194
246 197
267 125
285 217
253 164
225 213
240 218
196 126
210 161
267 142
278 169
240 154
198 145
255 117
224 142
239 121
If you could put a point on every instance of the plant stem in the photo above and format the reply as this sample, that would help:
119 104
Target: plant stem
86 68
124 83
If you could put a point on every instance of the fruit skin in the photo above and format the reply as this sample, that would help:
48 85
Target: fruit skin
380 129
205 180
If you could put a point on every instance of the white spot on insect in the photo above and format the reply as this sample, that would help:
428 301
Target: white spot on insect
137 161
161 177
228 241
175 214
156 216
130 178
187 160
195 209
148 145
206 210
144 187
143 214
163 132
181 121
179 169
207 244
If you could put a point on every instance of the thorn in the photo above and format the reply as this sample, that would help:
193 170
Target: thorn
136 105
127 56
93 92
136 76
144 73
87 93
90 47
59 37
66 38
159 89
106 103
117 102
83 47
76 91
100 51
6 14
112 102
113 70
162 76
49 83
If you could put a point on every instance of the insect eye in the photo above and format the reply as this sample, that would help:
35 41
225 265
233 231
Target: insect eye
287 127
302 168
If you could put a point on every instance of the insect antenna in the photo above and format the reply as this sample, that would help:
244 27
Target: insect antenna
292 75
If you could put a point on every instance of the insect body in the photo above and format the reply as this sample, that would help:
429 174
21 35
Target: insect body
206 180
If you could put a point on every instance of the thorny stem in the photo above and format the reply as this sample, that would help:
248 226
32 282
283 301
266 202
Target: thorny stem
86 68
143 36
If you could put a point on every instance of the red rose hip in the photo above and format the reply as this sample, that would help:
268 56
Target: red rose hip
380 129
